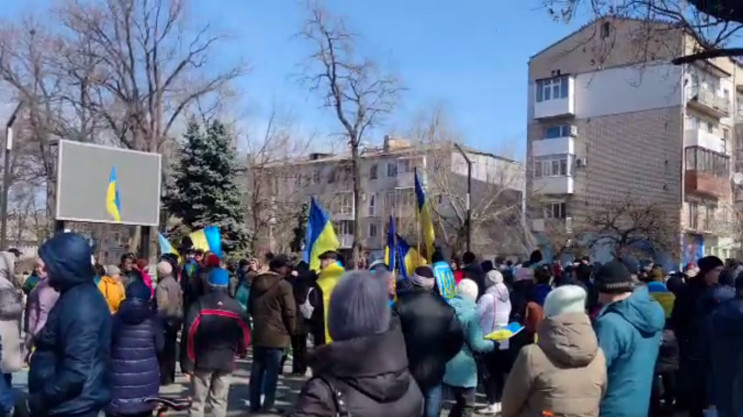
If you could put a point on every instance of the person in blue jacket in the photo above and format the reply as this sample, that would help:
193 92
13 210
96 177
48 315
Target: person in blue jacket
67 374
461 370
629 329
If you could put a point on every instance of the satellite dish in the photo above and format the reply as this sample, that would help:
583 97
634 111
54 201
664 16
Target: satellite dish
738 178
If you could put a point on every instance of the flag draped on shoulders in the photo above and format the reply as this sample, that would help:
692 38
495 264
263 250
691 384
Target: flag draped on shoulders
320 236
409 258
327 280
424 215
166 247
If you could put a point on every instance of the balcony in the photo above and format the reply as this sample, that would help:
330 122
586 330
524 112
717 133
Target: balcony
555 146
345 241
554 97
552 225
553 185
705 100
405 180
706 140
706 184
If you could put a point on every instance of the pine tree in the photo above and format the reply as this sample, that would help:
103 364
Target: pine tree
301 230
204 191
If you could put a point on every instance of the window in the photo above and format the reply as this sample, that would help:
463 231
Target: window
705 160
373 230
552 89
694 216
555 210
331 176
404 165
391 169
553 166
344 203
559 131
373 172
372 204
709 216
316 176
605 30
344 227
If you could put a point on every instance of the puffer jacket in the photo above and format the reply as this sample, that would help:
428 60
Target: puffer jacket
68 367
461 371
273 310
726 358
372 374
113 291
134 372
563 374
40 302
11 311
494 308
432 333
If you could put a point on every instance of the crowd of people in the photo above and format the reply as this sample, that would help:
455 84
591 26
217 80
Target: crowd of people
613 340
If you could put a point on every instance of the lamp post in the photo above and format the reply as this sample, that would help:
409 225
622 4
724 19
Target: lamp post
6 177
469 194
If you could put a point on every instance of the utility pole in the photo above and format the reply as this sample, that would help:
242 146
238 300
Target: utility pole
469 194
6 177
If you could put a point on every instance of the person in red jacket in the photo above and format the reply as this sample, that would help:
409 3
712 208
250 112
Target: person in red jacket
458 273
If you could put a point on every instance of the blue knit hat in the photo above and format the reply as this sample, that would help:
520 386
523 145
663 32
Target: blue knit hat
359 306
137 289
219 277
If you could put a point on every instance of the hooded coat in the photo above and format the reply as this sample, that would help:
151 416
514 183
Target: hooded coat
40 302
726 358
629 333
461 371
494 308
11 311
113 291
134 371
273 310
372 374
563 373
68 368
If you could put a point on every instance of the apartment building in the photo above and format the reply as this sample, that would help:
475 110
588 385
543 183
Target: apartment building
387 184
610 116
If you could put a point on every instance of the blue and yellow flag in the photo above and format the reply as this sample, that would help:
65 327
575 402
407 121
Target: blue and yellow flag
424 214
445 281
390 251
327 280
166 247
409 258
113 202
207 239
505 333
320 237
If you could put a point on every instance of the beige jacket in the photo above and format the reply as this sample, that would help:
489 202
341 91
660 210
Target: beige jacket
564 375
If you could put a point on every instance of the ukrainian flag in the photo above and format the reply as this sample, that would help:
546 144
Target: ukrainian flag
424 214
113 203
505 333
409 258
207 239
320 235
327 280
390 251
166 247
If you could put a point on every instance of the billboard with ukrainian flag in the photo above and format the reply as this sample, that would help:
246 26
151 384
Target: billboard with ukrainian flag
103 184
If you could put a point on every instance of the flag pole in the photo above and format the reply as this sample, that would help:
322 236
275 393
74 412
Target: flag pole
417 215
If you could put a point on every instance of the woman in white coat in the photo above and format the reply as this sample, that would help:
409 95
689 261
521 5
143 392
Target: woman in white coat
494 309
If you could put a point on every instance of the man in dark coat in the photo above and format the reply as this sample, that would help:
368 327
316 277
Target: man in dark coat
473 270
215 332
68 367
137 340
432 333
273 310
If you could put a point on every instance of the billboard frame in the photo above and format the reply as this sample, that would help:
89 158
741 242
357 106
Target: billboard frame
58 185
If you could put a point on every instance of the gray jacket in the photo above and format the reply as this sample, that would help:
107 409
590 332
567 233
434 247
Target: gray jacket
169 298
11 311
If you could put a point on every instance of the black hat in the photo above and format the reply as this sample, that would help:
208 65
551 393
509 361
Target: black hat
329 254
709 263
278 261
614 277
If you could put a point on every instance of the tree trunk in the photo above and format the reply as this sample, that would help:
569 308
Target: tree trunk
356 248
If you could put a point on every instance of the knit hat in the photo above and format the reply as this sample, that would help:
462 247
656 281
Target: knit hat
164 269
113 270
219 277
614 277
359 306
212 260
423 277
138 290
468 288
494 276
565 299
709 263
524 273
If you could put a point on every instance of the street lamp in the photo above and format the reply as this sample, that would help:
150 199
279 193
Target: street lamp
6 176
469 194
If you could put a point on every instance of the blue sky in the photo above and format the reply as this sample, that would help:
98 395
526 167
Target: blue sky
470 57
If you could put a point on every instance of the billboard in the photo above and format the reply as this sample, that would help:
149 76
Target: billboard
102 184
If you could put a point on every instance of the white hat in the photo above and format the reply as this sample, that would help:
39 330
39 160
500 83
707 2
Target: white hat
565 299
468 288
494 276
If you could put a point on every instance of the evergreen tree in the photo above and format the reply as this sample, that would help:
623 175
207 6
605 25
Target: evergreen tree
301 230
204 190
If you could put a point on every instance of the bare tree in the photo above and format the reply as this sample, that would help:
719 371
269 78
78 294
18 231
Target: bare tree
629 226
352 86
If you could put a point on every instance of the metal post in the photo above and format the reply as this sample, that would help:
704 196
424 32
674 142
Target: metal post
469 195
6 177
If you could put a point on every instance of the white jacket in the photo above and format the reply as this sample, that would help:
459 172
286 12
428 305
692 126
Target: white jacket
494 308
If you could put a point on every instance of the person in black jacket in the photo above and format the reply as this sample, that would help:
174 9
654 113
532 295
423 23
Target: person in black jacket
215 332
67 374
366 361
432 333
473 270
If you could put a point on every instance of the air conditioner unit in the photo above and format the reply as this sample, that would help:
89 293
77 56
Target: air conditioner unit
573 130
581 162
